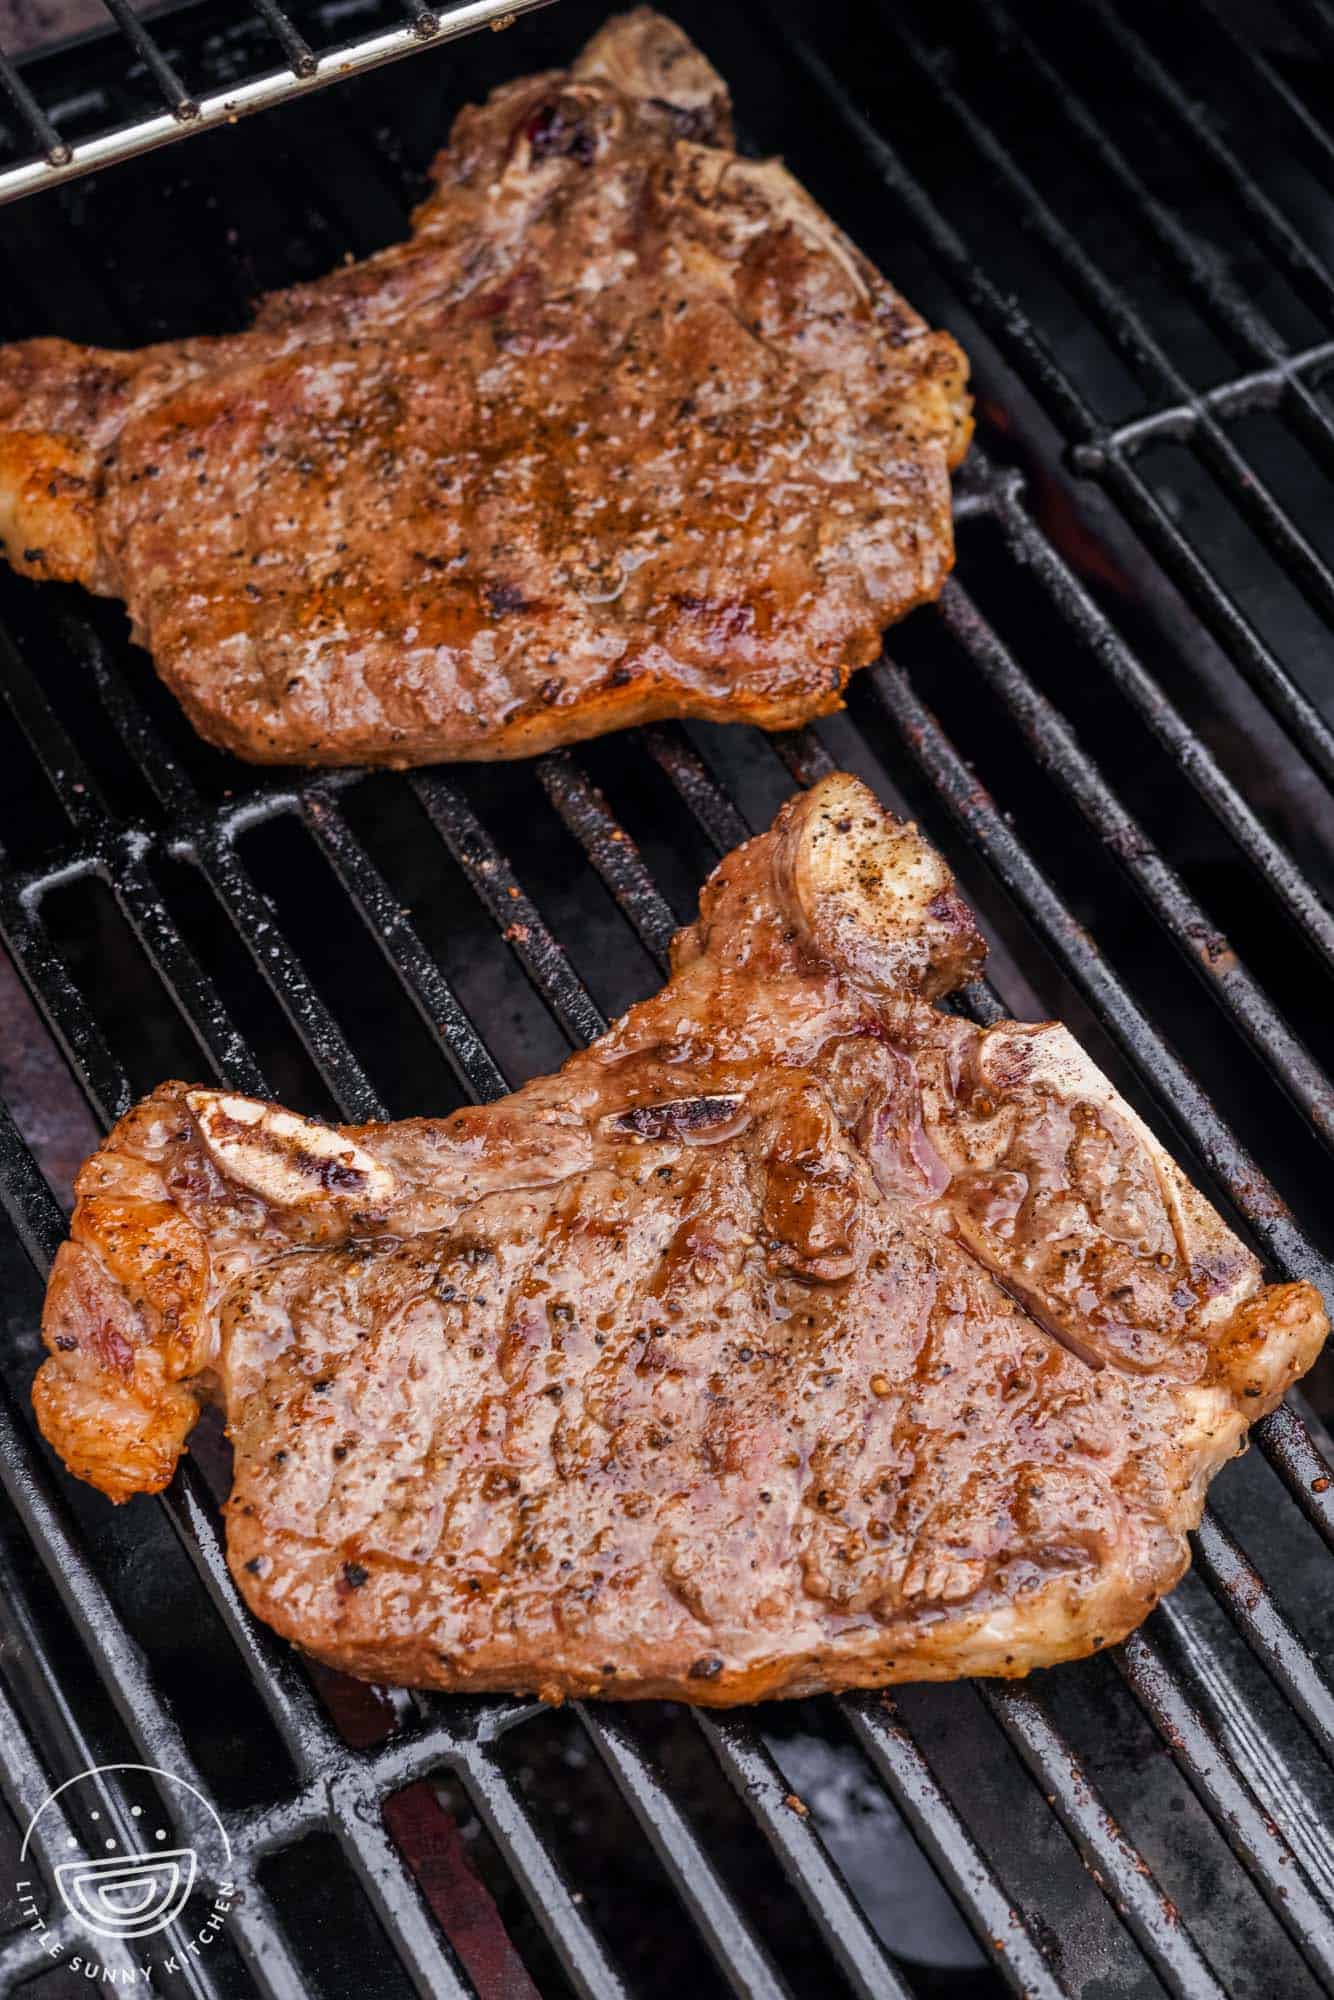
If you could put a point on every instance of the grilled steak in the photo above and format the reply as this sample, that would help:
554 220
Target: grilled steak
796 1335
627 429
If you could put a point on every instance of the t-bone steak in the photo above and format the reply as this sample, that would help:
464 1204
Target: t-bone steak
627 429
795 1335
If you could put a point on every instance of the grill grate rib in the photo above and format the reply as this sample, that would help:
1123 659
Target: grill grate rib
1249 1828
341 1790
853 1945
1100 452
1118 1868
1204 948
908 1777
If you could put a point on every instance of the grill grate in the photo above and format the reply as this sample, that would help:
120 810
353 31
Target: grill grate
114 800
36 153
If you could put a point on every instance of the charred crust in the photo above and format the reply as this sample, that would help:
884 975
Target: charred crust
560 128
698 123
677 1119
331 1175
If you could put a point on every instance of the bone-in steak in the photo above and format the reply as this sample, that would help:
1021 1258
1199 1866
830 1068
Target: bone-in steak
795 1335
628 429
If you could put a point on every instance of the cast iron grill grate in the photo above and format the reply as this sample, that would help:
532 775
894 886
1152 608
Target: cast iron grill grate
1131 664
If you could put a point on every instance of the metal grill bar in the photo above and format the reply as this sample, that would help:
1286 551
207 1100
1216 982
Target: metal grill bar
1118 1869
1313 139
1267 1758
23 1781
1217 296
852 1944
355 1814
576 1943
60 161
127 1678
740 1955
24 1787
301 1722
1312 921
1262 389
1111 459
52 146
1294 257
611 852
1240 1589
496 886
24 1954
301 58
1250 1832
1304 1470
170 88
1134 340
878 1725
24 1658
1283 381
1003 320
63 1007
253 917
417 972
1317 17
709 805
114 859
1205 949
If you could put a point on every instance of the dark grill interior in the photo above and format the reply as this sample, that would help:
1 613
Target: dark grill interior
1117 727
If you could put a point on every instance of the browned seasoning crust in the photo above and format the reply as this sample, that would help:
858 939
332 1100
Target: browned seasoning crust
796 1335
628 429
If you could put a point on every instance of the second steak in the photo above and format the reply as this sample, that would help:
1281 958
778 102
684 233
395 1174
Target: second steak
796 1334
627 429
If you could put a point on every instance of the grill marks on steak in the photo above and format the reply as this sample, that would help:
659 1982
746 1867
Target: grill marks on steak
795 1335
627 429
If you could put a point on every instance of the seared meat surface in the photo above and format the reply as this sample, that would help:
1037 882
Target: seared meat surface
627 429
796 1335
